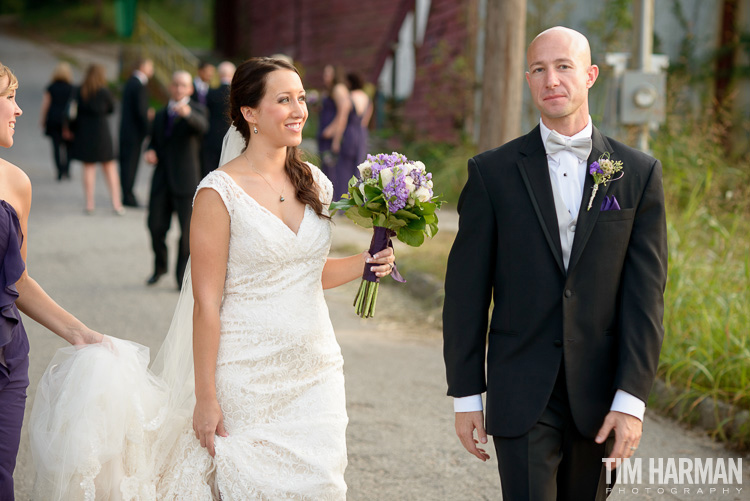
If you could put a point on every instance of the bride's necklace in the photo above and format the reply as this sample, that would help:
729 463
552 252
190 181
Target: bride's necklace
280 193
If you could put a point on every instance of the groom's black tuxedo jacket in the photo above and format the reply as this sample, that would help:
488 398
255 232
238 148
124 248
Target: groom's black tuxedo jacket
604 316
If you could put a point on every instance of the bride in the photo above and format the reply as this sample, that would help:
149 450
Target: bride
246 398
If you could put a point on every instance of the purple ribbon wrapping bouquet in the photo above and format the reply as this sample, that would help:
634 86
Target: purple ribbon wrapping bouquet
393 195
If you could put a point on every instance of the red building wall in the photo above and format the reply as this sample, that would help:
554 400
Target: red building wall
355 34
359 35
442 100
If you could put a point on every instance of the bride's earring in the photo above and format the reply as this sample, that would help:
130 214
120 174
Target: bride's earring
255 130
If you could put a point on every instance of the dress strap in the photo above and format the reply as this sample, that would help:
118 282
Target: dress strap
325 187
221 183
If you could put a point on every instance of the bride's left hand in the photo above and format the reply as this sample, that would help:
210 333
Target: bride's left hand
384 258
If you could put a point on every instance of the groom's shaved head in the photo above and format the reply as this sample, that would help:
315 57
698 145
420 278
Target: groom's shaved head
575 40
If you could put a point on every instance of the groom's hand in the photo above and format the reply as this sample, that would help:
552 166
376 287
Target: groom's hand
466 423
628 430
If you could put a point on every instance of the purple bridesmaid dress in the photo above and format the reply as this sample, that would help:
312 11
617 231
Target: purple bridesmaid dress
327 159
14 348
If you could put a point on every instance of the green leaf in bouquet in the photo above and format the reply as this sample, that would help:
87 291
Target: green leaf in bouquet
380 220
372 191
394 222
353 181
342 204
431 230
355 215
406 214
416 224
430 218
357 197
375 206
414 238
427 208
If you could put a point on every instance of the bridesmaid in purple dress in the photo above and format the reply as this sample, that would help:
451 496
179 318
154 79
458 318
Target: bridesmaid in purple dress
18 291
341 139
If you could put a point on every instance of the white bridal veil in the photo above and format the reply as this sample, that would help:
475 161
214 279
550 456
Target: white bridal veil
102 423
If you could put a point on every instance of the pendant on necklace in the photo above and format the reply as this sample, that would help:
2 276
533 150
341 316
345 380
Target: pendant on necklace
281 199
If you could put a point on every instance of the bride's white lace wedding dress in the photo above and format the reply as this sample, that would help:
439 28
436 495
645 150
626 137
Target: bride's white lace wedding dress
103 427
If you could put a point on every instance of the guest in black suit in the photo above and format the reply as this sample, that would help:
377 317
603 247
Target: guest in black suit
134 122
217 102
576 327
57 95
175 149
202 82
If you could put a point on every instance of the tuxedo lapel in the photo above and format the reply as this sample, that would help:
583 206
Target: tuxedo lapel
587 218
535 173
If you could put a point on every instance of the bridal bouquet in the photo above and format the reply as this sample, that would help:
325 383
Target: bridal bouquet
394 196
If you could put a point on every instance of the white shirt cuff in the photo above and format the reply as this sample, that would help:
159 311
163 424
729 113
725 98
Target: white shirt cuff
628 404
471 403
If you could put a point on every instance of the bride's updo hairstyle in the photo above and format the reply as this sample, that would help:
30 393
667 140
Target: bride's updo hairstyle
248 88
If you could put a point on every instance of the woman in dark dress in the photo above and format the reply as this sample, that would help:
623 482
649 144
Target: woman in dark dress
340 139
331 79
18 291
54 104
92 141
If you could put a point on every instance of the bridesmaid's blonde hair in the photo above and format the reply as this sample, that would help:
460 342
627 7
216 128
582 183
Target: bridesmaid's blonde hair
12 80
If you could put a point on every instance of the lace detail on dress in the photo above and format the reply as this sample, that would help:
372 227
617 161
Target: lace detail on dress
223 184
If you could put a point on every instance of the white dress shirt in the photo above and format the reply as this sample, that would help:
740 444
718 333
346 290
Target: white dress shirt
141 76
568 174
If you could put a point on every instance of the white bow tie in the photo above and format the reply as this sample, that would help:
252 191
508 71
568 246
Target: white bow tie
580 147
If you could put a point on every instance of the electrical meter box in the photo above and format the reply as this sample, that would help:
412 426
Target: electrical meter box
643 97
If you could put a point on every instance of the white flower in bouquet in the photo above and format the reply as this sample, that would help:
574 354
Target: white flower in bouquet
365 169
423 194
420 166
386 176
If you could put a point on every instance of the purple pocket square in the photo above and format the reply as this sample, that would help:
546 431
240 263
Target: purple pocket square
610 203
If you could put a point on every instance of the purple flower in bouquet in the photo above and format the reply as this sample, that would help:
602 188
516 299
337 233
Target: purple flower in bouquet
396 193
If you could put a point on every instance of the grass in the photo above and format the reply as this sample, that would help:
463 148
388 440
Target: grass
179 21
55 22
706 351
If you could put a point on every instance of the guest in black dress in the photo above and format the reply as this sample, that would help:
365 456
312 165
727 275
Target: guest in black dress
54 104
92 141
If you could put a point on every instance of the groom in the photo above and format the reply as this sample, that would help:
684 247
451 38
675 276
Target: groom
576 325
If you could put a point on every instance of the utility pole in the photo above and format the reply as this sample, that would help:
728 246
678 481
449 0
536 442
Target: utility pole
643 46
502 81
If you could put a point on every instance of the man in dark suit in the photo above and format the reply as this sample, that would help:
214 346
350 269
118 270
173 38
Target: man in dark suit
134 122
577 277
217 102
202 81
175 149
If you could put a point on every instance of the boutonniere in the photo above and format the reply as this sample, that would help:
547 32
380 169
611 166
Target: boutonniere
603 170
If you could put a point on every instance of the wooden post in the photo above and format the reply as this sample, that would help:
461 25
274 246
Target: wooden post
503 80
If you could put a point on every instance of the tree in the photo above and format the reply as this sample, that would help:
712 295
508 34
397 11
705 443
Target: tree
502 79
